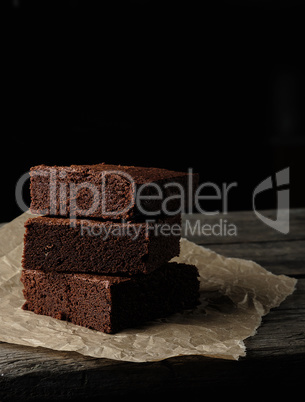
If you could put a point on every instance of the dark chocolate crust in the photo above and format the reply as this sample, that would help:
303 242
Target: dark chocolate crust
110 304
68 191
105 247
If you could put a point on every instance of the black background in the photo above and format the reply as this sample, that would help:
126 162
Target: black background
216 86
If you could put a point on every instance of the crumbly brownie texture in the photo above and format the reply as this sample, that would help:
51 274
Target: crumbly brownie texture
110 304
67 190
51 244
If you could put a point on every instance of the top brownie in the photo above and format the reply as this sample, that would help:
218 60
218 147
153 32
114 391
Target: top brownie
110 191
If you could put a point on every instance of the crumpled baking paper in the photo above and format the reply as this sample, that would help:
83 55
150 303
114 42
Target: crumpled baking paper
235 294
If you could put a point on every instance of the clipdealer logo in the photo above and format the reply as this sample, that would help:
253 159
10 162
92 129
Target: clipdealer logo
201 196
281 223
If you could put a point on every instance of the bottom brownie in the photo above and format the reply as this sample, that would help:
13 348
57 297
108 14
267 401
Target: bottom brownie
111 303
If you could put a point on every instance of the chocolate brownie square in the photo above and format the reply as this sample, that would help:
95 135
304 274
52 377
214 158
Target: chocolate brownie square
111 303
104 247
110 191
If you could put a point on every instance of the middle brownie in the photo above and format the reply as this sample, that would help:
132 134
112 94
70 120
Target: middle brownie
62 245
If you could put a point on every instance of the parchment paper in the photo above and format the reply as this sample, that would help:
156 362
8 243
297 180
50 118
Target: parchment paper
235 294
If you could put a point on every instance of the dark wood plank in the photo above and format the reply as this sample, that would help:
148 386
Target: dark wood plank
282 332
249 227
279 257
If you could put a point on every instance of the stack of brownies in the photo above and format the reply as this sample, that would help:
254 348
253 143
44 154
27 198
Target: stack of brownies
99 254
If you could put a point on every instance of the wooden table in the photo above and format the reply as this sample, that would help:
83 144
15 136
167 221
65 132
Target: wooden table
275 355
